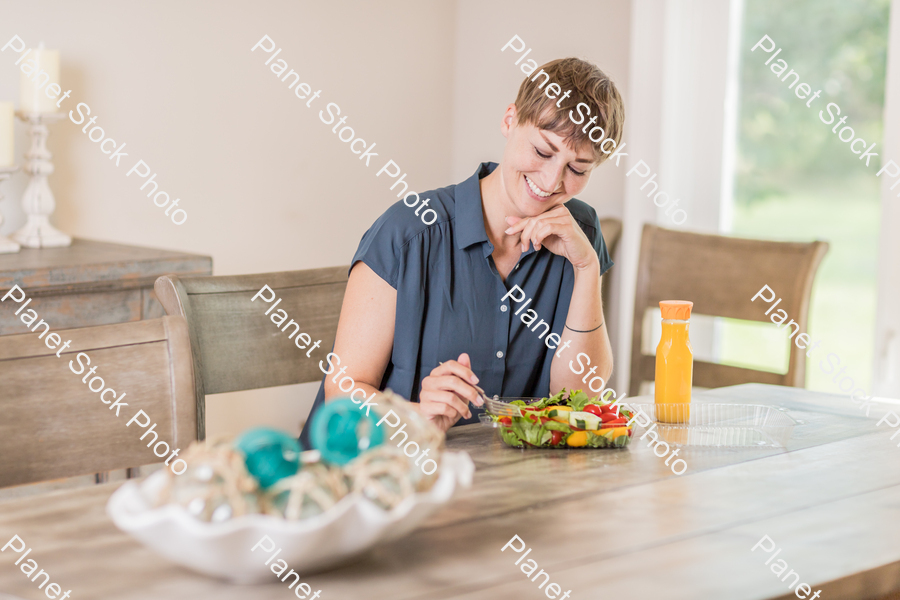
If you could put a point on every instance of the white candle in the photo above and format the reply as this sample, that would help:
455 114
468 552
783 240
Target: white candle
7 157
39 81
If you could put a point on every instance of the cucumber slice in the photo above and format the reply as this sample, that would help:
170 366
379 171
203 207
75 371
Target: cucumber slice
557 411
584 420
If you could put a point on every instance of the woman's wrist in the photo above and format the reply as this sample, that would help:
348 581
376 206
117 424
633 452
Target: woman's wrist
591 268
585 316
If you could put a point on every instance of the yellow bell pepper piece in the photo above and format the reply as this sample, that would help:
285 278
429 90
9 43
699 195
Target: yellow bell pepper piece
577 439
617 432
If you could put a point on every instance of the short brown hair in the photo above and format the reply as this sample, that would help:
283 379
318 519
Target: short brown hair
589 85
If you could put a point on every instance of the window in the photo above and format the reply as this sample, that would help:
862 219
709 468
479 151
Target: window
795 180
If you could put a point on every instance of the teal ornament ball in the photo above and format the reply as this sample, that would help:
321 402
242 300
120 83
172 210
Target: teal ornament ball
269 454
341 431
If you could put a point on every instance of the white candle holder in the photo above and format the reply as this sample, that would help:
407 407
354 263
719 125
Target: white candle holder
7 246
38 201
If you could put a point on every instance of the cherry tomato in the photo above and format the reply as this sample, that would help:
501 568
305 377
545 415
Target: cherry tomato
558 437
544 420
531 414
505 421
607 417
593 409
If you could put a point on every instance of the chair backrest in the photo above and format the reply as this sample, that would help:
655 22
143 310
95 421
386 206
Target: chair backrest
237 346
612 233
720 275
52 424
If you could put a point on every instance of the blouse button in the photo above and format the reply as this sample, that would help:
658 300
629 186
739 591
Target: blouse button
503 308
499 354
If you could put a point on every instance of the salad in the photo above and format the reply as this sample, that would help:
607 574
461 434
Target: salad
569 419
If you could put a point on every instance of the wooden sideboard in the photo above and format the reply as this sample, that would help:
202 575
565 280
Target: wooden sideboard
91 283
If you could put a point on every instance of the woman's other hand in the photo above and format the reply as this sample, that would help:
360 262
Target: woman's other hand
558 231
447 391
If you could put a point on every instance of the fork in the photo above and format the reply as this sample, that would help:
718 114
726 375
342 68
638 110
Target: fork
501 409
485 401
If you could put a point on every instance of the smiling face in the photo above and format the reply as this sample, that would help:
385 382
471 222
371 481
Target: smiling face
539 171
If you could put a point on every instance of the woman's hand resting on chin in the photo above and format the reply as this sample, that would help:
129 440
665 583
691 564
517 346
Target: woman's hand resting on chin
557 231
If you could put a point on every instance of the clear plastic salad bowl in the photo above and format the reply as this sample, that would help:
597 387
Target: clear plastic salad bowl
560 429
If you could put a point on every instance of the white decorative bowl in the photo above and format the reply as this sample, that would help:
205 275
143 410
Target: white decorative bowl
223 549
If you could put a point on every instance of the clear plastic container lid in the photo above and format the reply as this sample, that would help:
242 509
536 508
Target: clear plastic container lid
720 425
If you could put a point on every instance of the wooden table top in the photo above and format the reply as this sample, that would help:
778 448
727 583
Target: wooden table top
602 523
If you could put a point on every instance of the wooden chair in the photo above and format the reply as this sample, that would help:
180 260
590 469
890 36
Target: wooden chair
236 346
720 275
54 426
612 233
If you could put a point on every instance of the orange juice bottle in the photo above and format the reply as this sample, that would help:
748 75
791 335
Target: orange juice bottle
674 362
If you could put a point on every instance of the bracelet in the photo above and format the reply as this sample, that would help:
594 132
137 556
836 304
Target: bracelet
588 331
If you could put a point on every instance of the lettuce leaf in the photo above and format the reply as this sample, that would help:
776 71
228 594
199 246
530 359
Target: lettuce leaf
578 400
533 433
551 401
598 441
510 438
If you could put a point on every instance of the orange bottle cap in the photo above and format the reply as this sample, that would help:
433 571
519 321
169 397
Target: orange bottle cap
676 309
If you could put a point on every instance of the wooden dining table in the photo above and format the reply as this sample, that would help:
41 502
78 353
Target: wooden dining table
602 523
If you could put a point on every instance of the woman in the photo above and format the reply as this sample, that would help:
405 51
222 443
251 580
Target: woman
432 310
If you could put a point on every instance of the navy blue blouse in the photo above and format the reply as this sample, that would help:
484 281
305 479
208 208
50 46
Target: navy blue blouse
450 295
